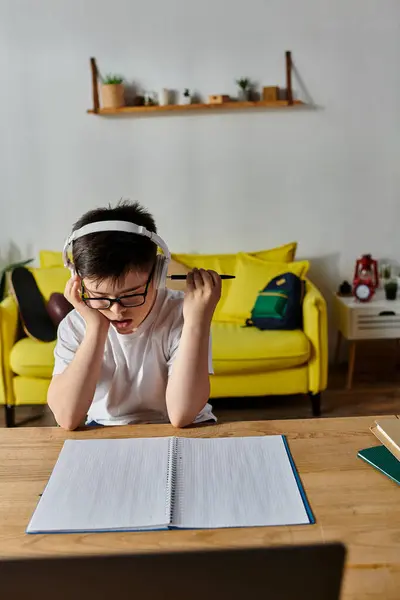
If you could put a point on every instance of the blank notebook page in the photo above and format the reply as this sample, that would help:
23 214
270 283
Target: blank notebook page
230 482
101 485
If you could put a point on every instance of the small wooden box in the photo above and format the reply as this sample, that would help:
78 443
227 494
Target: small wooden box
218 99
270 94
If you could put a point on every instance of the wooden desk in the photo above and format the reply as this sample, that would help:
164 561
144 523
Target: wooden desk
352 502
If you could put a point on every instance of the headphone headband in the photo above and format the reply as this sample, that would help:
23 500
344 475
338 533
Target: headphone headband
124 226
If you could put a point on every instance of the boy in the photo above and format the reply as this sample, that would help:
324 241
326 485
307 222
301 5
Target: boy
129 352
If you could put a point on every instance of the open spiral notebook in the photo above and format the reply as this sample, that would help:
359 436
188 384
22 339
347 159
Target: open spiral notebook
163 483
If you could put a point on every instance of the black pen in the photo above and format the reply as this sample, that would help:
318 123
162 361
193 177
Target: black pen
182 277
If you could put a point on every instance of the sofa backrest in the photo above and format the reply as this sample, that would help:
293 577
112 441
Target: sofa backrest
180 264
50 280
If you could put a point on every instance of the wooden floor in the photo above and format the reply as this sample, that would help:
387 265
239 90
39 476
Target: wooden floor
376 391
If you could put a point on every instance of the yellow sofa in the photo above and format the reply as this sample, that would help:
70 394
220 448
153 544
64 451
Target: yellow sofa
247 362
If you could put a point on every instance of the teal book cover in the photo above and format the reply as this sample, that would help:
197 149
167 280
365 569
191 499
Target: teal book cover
383 460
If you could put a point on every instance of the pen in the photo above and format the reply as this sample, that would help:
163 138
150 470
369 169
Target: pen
181 277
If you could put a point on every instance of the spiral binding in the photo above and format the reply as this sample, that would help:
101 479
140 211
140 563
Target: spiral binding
171 479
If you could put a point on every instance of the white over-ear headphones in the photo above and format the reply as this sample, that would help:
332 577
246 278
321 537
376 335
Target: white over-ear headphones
162 261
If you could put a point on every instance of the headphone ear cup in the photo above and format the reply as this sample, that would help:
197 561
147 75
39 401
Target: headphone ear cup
71 267
161 271
164 270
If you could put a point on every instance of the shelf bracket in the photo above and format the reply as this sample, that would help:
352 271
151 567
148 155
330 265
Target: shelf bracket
95 86
289 67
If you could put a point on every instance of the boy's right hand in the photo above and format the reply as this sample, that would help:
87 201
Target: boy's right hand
93 318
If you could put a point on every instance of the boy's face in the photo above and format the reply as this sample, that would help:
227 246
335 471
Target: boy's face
136 288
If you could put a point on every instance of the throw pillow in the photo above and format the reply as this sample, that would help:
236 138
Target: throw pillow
51 280
252 275
286 253
49 259
58 307
226 264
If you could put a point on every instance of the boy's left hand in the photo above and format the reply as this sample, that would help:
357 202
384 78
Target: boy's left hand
203 291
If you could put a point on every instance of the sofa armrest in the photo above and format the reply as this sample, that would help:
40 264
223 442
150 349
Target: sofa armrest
8 335
315 324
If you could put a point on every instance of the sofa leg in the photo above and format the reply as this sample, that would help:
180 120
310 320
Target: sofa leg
10 415
315 404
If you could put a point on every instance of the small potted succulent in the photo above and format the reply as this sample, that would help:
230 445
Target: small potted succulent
386 272
391 290
112 91
187 99
244 89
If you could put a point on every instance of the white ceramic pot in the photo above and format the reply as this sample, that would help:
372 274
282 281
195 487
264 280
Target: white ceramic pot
165 97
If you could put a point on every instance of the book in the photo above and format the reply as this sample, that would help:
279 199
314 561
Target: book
387 430
383 460
164 483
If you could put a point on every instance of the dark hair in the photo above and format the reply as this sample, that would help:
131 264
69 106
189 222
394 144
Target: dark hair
111 254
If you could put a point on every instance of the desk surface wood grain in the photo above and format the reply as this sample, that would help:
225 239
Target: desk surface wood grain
351 501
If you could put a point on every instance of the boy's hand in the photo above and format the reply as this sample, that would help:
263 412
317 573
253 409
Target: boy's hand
203 291
93 318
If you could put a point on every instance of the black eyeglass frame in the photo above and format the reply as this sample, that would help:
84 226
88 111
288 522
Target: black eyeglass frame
112 301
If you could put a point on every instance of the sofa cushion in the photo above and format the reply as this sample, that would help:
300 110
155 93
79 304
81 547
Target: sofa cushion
252 275
226 264
49 259
238 349
51 280
30 390
31 358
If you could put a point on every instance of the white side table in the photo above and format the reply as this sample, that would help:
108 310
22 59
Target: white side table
375 320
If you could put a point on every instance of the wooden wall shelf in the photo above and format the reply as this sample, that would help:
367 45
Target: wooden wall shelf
182 108
186 108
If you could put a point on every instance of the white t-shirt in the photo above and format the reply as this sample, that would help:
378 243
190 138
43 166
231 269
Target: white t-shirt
136 366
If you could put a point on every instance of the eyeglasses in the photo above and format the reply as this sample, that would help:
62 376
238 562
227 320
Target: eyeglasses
128 301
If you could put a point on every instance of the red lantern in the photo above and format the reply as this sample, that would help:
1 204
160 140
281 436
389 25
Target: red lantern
366 279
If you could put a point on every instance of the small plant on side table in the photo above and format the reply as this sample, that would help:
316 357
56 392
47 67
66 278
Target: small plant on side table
112 91
244 89
386 272
391 290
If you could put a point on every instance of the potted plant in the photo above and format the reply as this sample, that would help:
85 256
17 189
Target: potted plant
112 91
386 272
187 97
391 290
150 99
244 89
